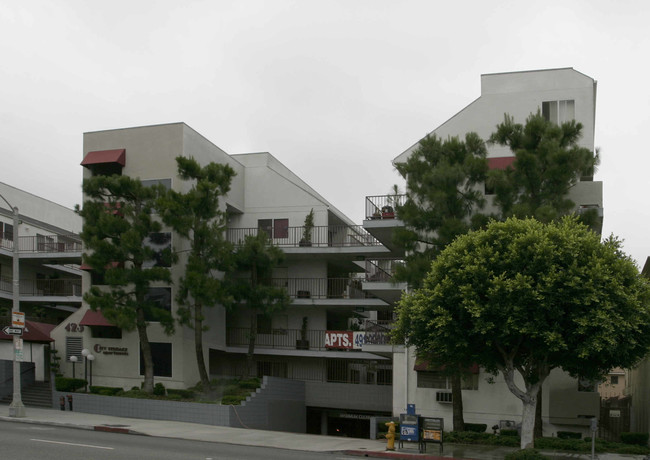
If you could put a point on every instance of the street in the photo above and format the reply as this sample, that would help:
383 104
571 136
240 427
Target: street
25 441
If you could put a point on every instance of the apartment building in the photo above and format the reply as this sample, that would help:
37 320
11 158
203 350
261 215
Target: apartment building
321 339
560 95
49 254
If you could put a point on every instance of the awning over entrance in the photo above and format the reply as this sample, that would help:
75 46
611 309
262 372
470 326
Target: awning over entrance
117 156
94 318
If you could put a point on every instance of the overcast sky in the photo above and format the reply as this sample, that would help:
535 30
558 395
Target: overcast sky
334 89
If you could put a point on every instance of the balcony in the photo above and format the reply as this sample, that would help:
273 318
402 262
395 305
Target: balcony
382 219
61 246
380 279
322 288
43 288
329 236
315 340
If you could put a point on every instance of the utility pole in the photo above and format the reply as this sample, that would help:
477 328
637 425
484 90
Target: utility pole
16 408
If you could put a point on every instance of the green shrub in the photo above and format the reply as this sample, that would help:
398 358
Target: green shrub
250 384
184 394
471 437
576 445
476 427
174 397
106 391
232 400
569 435
526 454
638 439
159 389
231 390
509 433
67 384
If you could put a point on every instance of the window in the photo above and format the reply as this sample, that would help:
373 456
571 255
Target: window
278 228
614 380
73 347
281 228
558 112
436 379
161 244
44 243
384 376
167 183
161 354
6 231
161 299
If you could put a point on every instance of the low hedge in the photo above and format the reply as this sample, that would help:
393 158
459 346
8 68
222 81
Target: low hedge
184 394
476 427
68 384
232 400
637 439
526 454
105 391
569 435
509 433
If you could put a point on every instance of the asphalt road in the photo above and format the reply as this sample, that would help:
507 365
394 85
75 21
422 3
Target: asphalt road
22 441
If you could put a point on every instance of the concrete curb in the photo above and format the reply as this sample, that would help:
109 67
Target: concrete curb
77 426
395 455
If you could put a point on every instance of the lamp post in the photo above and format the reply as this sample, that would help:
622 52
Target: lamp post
16 408
73 360
91 358
85 354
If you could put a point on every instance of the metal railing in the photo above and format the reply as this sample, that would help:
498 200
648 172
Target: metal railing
292 339
320 237
382 270
36 287
330 370
321 288
383 206
43 243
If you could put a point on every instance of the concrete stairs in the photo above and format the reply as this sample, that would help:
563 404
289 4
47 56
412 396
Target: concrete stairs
38 394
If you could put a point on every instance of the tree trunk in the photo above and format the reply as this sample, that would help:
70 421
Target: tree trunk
141 325
528 423
198 347
538 431
457 402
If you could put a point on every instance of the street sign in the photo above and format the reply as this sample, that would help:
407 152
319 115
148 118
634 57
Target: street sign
12 330
17 319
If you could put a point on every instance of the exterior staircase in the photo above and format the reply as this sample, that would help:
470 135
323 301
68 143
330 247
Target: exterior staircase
38 394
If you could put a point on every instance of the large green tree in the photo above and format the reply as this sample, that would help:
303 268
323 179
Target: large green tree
251 285
196 216
548 162
442 201
522 297
118 222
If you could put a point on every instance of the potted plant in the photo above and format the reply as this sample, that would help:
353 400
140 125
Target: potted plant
388 211
303 342
307 229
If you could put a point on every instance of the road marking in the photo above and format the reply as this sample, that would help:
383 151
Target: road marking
72 444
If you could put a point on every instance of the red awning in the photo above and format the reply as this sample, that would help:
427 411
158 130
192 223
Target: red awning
33 332
500 162
94 318
105 156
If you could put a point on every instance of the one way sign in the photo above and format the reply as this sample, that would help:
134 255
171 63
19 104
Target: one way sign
13 330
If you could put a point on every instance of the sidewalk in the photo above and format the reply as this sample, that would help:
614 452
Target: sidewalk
277 439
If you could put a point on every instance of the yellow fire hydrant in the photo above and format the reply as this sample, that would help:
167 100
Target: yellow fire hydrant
390 436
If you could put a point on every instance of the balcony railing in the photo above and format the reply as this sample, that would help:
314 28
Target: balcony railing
383 206
36 287
321 237
292 339
41 243
382 270
321 288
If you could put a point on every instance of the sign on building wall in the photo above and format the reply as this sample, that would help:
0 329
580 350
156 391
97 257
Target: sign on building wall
344 340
